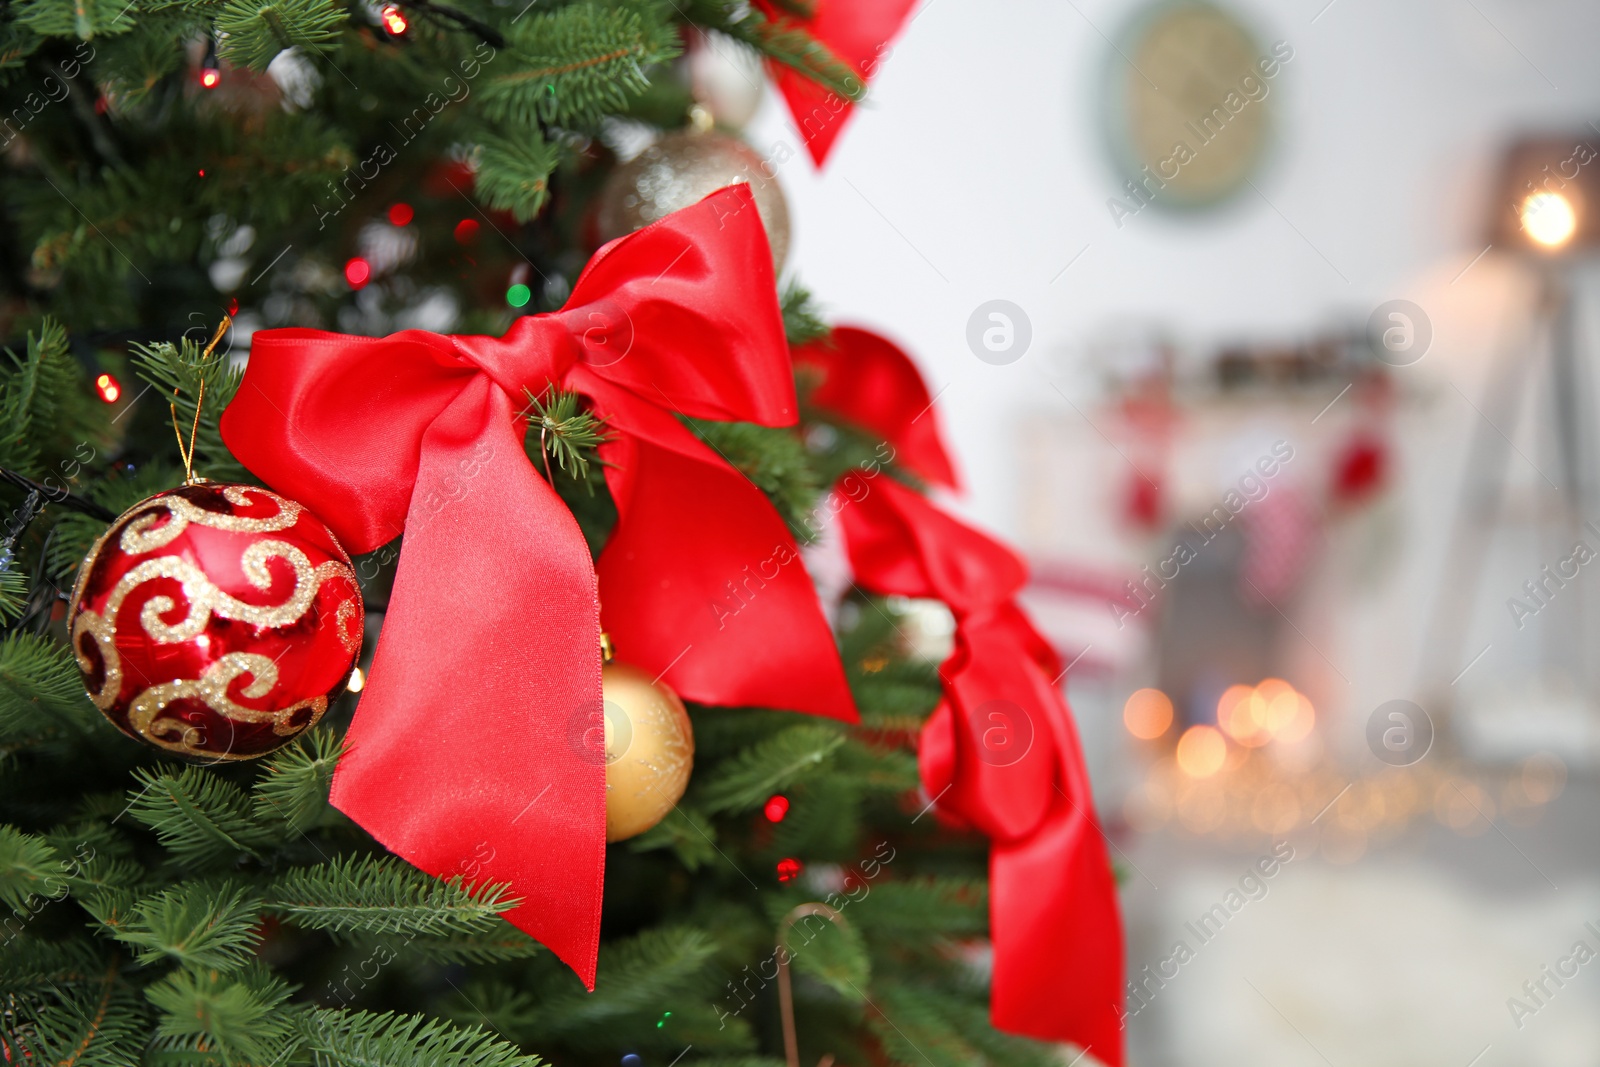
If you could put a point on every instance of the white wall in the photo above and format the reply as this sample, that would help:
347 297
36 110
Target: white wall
978 172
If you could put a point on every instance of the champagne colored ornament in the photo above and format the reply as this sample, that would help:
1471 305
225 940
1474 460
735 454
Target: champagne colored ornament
649 750
726 78
216 621
681 169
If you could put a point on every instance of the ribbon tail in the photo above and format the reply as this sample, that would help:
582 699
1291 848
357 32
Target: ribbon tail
702 582
476 750
1057 933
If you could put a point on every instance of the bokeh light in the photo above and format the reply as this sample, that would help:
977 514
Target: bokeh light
358 272
1147 713
1201 751
108 388
401 214
518 295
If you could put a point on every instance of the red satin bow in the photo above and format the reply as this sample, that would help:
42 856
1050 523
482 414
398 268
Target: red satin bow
472 752
858 32
1001 752
868 380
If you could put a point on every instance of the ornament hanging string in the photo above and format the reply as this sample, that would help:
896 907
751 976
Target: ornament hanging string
199 401
791 1042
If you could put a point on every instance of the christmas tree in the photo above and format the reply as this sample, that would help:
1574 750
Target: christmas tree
173 164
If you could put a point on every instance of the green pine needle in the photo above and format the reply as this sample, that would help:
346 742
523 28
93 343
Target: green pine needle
802 320
364 1039
199 924
744 782
29 868
382 895
243 1016
571 436
198 816
294 786
42 705
253 32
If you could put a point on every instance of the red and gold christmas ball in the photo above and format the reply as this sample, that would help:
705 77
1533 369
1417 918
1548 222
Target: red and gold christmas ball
216 621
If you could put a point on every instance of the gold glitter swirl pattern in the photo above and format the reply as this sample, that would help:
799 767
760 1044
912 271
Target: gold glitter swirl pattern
144 715
349 637
142 535
205 599
105 638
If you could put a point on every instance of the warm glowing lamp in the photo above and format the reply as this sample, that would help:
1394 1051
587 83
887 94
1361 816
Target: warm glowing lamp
1548 198
1548 218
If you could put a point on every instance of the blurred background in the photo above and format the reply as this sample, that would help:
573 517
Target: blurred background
1268 330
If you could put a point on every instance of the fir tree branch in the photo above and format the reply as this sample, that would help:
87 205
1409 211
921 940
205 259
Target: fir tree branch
802 319
199 924
574 64
243 1016
384 895
363 1039
29 867
198 816
744 782
294 787
572 436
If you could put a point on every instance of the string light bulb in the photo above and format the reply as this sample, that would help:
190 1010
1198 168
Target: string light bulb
394 20
108 388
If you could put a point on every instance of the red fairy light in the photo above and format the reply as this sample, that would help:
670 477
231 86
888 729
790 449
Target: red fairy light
108 388
400 214
357 272
776 808
466 231
394 20
788 869
211 77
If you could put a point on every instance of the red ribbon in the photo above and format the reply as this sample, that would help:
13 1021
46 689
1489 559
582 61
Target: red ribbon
473 752
870 381
858 32
1001 753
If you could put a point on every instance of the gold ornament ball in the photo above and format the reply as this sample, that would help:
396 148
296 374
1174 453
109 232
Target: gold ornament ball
649 750
683 168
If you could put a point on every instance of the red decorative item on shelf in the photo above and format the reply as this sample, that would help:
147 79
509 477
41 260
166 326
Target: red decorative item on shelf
1360 469
216 621
870 381
1002 754
858 32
